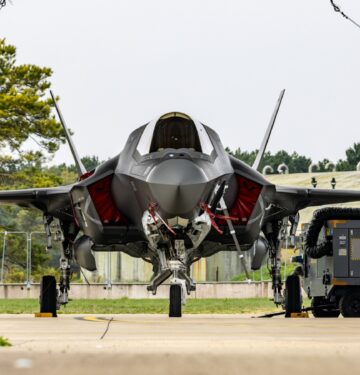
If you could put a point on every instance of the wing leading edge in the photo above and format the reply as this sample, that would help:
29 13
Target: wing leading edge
55 201
293 199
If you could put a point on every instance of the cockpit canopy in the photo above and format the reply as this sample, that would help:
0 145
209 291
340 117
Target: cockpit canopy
174 130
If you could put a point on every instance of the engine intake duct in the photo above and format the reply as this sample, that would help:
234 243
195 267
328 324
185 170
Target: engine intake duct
320 217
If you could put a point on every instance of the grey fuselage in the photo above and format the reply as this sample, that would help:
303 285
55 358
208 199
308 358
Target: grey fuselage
177 181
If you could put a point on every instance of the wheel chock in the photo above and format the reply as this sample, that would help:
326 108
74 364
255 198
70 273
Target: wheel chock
303 314
44 315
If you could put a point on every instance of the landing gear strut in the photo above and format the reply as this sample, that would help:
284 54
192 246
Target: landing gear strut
50 298
275 233
64 285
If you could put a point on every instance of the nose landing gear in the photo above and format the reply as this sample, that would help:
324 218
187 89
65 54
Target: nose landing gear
181 284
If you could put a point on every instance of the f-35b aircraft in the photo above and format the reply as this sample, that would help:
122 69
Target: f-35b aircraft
172 196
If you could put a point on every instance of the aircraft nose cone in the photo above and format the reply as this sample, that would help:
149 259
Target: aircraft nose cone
177 186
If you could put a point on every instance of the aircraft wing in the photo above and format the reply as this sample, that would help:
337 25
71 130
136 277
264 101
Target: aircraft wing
293 199
55 201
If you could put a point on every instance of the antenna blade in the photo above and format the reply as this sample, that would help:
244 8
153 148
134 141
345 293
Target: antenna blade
79 165
265 141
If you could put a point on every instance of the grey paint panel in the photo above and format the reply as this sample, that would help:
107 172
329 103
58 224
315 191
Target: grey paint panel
341 252
354 256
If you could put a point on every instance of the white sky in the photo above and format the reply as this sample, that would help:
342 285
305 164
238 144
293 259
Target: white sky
118 64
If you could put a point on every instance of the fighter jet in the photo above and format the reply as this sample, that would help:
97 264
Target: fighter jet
172 196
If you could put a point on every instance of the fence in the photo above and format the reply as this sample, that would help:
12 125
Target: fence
28 250
119 267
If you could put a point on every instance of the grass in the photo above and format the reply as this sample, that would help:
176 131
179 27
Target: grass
145 306
4 341
256 275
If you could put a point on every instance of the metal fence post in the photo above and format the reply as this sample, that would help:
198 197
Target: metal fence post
3 258
28 260
108 281
29 243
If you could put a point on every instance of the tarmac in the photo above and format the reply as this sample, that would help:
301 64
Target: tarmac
193 344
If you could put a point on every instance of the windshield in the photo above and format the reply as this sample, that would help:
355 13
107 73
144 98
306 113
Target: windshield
174 130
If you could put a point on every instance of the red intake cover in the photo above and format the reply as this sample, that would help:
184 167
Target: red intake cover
100 192
247 196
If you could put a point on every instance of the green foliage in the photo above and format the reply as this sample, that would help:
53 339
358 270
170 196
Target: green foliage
296 163
24 111
246 156
90 163
264 274
16 245
39 271
352 159
4 341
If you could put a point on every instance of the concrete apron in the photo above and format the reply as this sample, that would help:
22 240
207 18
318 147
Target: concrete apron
120 290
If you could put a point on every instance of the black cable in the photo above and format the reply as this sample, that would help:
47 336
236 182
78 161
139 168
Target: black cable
107 328
338 10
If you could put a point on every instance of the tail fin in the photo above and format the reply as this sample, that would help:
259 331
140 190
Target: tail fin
79 165
265 141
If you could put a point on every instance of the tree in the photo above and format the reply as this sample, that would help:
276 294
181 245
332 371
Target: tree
90 163
245 156
352 159
296 163
25 111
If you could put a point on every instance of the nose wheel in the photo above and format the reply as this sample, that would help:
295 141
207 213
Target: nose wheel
175 301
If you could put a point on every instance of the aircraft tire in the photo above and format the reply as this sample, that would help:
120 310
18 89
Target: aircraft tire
175 301
48 295
292 295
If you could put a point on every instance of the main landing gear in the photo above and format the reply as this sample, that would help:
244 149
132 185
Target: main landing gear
52 298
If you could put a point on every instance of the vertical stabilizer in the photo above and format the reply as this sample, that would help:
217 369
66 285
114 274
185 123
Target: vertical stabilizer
79 165
265 141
